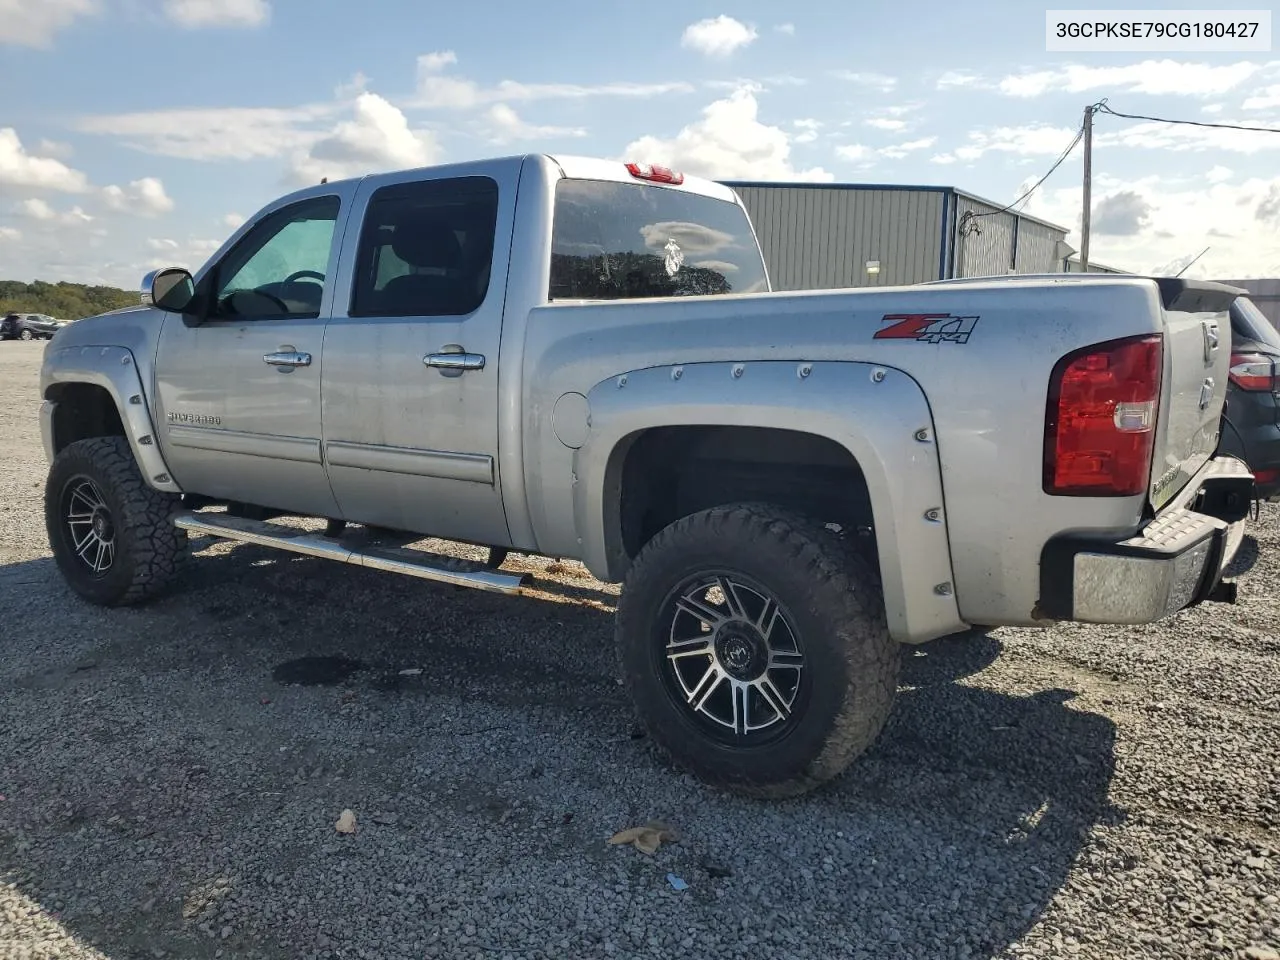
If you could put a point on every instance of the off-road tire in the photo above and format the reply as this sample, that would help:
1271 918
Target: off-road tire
832 594
148 548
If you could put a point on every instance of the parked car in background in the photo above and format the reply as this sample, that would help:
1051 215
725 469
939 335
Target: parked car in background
29 326
1251 416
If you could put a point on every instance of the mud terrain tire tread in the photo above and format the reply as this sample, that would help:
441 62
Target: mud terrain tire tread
830 587
149 548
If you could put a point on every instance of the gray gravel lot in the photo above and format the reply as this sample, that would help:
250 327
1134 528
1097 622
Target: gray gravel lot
1069 792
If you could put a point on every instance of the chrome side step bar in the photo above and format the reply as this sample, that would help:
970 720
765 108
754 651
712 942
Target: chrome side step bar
413 563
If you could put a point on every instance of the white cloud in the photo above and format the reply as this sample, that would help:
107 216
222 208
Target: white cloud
377 138
786 29
218 13
1155 77
10 233
1031 140
145 198
718 36
1267 98
18 168
1212 108
506 125
436 62
54 148
167 252
898 151
232 220
808 128
40 211
942 159
729 142
856 152
1167 137
216 133
33 23
954 79
436 90
1175 218
876 81
885 123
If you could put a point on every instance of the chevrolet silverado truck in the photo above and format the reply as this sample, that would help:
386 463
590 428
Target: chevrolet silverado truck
579 358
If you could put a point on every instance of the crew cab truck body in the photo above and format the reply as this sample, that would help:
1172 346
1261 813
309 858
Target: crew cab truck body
580 358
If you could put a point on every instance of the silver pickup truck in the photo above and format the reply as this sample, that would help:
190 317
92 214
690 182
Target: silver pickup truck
581 358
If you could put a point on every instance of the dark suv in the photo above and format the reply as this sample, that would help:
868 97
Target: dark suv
29 326
1251 418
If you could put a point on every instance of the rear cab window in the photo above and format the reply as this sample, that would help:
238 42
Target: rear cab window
622 241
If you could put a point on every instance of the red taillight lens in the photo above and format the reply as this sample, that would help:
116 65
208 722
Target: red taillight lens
654 173
1252 371
1101 422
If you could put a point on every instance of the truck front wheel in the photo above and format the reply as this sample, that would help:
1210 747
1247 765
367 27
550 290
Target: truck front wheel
112 536
755 649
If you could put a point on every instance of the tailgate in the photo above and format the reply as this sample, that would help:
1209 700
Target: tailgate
1197 356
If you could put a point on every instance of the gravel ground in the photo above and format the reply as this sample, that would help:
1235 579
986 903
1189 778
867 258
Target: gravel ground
1069 792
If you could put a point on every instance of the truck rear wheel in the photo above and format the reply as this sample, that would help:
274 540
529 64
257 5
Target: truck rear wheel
112 536
755 649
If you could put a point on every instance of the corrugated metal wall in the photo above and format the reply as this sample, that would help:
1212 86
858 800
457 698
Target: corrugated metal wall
1038 248
984 246
822 237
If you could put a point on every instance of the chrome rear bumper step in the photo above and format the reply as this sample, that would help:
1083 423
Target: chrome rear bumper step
413 563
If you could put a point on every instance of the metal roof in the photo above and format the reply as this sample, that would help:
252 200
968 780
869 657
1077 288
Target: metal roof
918 188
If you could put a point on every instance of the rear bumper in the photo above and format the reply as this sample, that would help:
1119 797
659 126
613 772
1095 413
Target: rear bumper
1175 562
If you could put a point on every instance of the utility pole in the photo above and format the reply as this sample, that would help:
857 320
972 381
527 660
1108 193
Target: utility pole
1088 188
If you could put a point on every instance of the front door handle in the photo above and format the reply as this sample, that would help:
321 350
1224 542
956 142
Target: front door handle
288 358
455 361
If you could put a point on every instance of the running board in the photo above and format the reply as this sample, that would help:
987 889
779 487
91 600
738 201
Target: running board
413 563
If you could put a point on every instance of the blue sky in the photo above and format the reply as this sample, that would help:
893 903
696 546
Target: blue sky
135 133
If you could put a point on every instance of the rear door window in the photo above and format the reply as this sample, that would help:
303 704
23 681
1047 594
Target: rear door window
426 249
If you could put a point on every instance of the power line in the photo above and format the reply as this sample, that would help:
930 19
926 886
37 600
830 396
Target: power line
1101 107
970 215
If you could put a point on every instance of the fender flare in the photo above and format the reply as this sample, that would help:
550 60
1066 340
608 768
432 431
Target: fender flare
115 371
894 444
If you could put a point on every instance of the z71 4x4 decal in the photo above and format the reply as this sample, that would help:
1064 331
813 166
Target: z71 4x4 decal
927 327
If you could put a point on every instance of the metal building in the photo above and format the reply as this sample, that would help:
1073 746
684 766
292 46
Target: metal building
826 235
1072 265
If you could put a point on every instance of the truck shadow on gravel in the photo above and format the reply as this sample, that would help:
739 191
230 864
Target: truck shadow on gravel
497 720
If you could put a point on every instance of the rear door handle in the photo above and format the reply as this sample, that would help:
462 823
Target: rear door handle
455 361
288 358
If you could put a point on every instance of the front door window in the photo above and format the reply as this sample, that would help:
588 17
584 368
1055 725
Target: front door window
278 270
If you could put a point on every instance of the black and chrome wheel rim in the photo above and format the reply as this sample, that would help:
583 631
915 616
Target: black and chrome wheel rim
732 659
89 527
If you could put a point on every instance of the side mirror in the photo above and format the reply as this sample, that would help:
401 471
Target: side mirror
171 289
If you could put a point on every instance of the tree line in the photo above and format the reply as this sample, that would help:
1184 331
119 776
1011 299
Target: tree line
64 301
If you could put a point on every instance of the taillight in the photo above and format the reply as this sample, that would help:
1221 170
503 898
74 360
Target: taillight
654 173
1252 371
1101 421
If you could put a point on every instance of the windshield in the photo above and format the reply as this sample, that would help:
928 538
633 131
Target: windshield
1249 323
615 241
